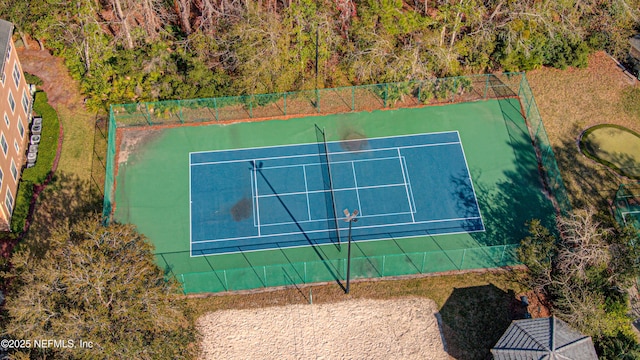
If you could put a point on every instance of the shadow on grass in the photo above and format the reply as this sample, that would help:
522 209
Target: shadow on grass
66 200
474 318
588 183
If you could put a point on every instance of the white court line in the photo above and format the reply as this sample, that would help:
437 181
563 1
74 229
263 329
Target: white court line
406 186
324 163
327 220
355 182
255 169
329 142
254 185
330 243
190 209
331 230
315 154
466 164
306 189
625 213
404 161
335 190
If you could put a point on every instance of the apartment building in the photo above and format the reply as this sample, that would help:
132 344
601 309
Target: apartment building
15 110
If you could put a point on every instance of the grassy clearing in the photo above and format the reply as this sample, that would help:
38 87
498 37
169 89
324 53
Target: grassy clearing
78 126
572 100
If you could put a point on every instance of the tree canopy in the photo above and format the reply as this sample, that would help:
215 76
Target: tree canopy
585 271
98 285
140 50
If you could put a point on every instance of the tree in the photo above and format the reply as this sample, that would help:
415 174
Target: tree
100 285
584 270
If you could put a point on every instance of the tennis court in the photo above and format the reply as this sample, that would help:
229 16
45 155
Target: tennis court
294 195
246 205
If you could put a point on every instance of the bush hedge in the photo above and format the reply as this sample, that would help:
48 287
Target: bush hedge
34 176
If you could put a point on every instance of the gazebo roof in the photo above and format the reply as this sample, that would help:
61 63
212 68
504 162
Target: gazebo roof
544 338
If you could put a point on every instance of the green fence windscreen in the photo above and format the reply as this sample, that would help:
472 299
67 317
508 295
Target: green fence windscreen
461 89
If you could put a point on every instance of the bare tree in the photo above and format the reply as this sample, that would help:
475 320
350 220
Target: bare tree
583 244
123 22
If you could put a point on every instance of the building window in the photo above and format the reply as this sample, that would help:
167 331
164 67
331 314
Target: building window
8 51
8 201
6 119
2 76
25 102
21 128
16 74
3 143
1 176
17 146
12 102
14 170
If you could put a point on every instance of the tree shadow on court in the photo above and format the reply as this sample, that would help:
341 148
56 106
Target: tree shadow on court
66 200
318 250
474 318
508 204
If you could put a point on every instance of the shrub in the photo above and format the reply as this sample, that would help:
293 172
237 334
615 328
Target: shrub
46 155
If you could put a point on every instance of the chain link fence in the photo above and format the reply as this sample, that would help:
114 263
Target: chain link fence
203 277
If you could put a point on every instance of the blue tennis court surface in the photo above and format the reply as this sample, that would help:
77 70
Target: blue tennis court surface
288 196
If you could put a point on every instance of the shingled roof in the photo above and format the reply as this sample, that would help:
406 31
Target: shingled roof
6 30
544 338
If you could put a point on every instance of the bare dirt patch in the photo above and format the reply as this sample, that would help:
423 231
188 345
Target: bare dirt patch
405 328
132 140
60 87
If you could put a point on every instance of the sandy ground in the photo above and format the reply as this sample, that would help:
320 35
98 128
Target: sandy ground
357 329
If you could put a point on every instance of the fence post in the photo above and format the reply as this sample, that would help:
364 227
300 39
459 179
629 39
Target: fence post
251 106
148 117
384 258
305 272
285 104
420 92
353 98
455 89
317 101
215 106
486 87
504 249
424 260
264 272
226 282
464 252
180 112
386 91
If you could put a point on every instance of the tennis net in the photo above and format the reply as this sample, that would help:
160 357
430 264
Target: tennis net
328 179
